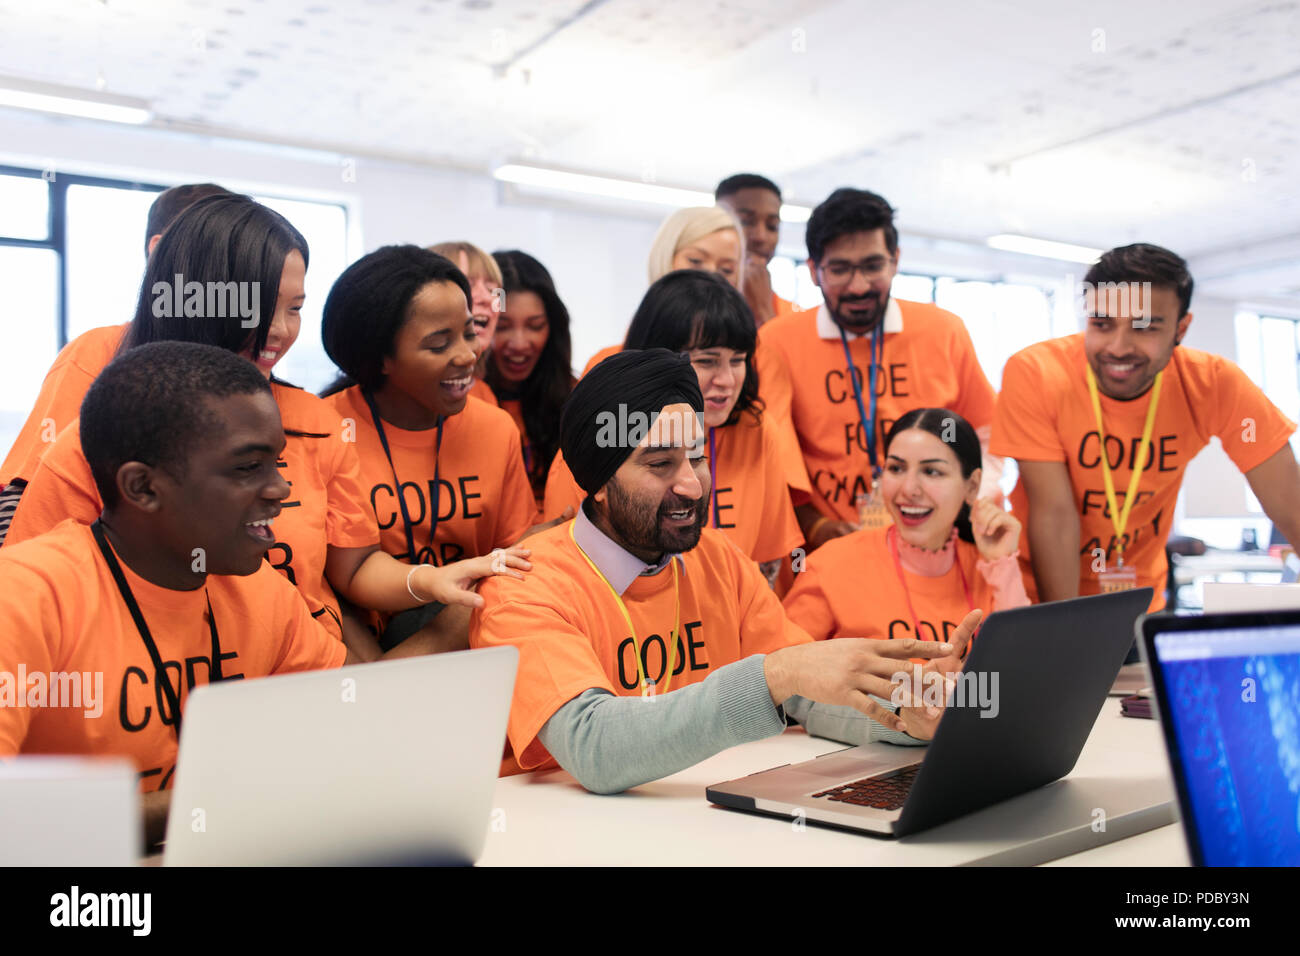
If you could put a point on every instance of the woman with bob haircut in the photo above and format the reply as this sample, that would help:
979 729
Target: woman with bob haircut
703 315
530 368
443 474
701 237
945 552
241 269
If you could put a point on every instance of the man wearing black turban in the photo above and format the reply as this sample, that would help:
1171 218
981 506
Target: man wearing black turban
635 596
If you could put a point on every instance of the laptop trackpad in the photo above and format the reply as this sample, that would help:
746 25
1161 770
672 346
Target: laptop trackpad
848 767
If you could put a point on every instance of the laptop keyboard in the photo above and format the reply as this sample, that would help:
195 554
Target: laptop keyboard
879 793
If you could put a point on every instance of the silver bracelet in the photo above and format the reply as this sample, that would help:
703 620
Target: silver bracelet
417 597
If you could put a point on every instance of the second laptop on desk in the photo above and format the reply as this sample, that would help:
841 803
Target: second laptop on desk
1054 664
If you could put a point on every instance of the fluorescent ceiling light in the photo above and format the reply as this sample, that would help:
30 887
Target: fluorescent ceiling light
624 189
1045 248
69 101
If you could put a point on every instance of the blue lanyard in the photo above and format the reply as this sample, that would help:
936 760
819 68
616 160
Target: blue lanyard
868 423
397 484
713 475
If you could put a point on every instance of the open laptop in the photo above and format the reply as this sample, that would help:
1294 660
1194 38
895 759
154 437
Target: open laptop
1224 597
1228 688
1039 673
387 763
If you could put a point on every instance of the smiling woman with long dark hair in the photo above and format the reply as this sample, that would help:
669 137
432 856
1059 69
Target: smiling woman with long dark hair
442 472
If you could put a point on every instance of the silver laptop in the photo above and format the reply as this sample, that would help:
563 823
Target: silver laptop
69 811
1228 690
1030 691
387 763
1223 597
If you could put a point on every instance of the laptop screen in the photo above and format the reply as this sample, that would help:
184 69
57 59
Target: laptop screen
1233 699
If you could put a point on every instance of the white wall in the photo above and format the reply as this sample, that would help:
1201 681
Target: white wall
598 261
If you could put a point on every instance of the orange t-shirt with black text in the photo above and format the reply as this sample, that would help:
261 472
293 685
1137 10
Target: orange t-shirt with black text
1045 413
930 363
483 496
572 637
326 503
751 504
849 587
59 403
62 614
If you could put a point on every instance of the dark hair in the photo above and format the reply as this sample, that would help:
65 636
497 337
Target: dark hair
371 301
955 432
150 405
170 203
219 241
1143 262
845 212
734 184
690 309
543 393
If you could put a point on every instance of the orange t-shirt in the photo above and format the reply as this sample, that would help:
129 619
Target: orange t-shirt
751 499
484 499
61 614
326 503
849 587
483 391
59 402
930 363
572 637
1045 414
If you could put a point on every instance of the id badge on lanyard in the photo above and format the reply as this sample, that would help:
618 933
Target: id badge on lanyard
869 505
1118 578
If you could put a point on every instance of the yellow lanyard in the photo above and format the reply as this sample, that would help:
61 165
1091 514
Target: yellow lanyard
636 651
1121 522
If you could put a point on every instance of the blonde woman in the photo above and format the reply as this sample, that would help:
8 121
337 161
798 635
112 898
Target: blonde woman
704 237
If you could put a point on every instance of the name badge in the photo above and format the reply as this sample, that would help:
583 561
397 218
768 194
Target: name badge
1118 579
871 509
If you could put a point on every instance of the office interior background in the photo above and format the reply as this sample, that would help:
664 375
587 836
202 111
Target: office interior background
1016 139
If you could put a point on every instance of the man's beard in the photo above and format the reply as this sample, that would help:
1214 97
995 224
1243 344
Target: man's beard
640 527
860 324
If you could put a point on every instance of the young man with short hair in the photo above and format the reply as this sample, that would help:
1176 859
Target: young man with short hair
756 201
1126 386
863 359
635 598
169 588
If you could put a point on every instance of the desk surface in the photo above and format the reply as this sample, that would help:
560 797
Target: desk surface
548 819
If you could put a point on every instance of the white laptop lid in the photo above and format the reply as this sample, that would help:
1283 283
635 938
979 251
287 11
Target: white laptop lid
69 811
391 762
1226 597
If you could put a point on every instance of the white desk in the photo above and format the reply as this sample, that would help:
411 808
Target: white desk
549 819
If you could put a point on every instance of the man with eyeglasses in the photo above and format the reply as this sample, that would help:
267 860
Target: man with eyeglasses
903 355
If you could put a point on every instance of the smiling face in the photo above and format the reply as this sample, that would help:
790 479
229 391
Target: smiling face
432 362
717 252
855 274
522 332
657 501
483 304
288 314
225 496
722 375
1129 336
923 488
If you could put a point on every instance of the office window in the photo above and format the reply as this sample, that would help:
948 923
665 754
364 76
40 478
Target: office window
1268 351
92 231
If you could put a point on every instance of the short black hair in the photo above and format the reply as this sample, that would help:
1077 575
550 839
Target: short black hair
170 203
371 301
1144 262
222 242
150 405
690 309
734 184
845 212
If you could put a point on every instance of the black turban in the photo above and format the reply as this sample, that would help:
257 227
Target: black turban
627 388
